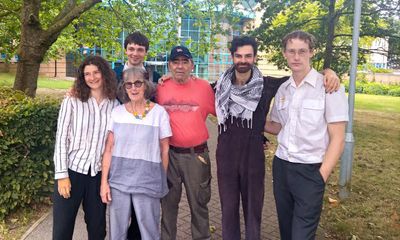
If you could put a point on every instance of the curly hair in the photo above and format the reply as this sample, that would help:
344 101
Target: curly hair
81 90
129 74
241 41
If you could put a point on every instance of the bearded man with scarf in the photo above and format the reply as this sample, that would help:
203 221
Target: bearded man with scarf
242 101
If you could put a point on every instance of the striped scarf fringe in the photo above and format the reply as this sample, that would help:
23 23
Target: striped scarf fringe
238 102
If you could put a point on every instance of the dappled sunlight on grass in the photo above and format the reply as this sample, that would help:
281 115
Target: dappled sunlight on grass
7 79
372 211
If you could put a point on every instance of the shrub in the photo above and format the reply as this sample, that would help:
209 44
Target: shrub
394 92
27 134
359 86
374 88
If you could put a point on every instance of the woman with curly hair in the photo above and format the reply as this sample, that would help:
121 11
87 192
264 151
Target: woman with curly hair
81 133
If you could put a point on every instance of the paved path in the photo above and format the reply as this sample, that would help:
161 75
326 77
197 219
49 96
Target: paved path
269 225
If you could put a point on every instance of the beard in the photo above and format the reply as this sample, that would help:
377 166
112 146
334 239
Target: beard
243 67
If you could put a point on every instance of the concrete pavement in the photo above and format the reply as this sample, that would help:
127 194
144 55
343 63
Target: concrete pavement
43 229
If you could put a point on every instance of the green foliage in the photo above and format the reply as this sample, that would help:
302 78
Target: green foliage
374 88
9 26
316 17
27 133
394 91
61 27
103 25
373 69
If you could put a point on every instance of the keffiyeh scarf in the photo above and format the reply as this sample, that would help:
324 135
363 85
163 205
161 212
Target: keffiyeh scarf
237 101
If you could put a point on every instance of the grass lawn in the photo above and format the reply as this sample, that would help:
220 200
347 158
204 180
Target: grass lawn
7 79
373 210
377 103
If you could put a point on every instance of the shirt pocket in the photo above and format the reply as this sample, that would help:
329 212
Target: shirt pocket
312 111
283 110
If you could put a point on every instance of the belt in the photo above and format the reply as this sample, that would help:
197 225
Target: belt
196 149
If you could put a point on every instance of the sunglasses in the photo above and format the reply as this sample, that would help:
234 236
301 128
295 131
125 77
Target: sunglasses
137 84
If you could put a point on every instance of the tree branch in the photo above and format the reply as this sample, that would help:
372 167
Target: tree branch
4 12
69 5
59 24
368 35
310 20
345 5
120 18
393 8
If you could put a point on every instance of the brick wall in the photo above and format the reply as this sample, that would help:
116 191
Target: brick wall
52 68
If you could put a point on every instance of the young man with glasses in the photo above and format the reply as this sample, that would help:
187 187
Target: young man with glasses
311 126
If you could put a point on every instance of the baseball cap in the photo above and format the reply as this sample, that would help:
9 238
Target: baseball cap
180 51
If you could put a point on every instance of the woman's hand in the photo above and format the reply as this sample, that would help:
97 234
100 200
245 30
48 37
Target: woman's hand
105 192
64 187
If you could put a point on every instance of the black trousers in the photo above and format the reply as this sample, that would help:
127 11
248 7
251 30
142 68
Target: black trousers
299 191
241 174
86 190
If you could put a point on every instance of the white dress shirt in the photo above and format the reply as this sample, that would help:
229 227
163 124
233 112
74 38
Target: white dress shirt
81 135
304 112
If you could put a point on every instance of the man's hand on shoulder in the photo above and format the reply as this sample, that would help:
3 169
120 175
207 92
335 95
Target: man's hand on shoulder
331 80
164 78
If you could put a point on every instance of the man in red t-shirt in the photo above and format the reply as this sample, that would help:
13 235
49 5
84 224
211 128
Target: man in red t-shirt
188 101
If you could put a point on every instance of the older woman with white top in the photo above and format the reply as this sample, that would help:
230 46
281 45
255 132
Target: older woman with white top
135 160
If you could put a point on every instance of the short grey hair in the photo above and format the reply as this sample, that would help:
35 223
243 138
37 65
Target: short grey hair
150 88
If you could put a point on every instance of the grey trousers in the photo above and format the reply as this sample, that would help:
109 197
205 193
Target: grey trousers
194 171
147 211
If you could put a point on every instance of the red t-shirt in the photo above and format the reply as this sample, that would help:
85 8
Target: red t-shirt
188 105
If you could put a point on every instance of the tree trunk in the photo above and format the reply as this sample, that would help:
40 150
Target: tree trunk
330 35
29 58
26 77
35 41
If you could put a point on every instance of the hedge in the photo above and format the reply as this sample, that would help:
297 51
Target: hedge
27 134
375 88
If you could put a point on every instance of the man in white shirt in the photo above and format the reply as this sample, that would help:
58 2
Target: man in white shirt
311 126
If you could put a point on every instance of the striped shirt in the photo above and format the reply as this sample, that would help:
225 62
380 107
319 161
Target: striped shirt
81 135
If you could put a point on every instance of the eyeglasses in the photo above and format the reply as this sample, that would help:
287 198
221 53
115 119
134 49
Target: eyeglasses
301 52
137 84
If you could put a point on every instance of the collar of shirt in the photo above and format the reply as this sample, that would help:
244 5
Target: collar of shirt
126 66
310 78
103 101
